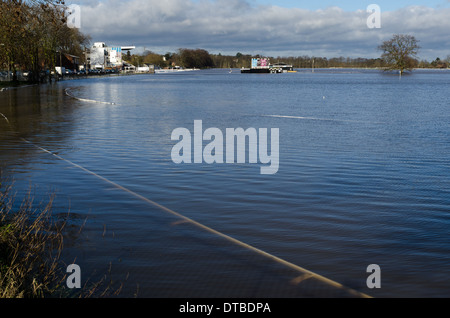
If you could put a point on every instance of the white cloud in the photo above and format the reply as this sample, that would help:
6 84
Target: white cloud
229 26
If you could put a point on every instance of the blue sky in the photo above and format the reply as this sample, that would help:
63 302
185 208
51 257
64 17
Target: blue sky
276 28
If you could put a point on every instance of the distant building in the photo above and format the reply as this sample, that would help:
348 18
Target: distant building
146 68
100 56
68 61
97 56
129 68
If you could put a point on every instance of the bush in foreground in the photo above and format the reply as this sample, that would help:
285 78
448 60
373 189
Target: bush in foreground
31 243
30 246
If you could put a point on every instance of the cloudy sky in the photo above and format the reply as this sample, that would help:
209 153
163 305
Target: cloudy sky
277 28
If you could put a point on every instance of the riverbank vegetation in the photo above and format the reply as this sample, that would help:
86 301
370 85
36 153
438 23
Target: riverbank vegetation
31 246
33 34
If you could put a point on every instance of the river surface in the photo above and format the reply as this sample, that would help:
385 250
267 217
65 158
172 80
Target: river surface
363 178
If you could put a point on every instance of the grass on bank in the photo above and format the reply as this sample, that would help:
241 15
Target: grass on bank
31 243
30 246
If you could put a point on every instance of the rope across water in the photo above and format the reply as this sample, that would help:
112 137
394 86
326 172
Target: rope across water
304 273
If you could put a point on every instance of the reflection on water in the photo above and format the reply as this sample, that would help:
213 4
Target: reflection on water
363 179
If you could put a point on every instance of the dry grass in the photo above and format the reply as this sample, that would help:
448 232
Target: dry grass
30 246
31 243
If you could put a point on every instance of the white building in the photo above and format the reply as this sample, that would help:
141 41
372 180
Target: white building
101 56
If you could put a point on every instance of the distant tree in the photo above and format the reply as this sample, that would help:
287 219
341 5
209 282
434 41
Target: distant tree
399 52
424 64
136 59
198 58
153 58
438 63
168 56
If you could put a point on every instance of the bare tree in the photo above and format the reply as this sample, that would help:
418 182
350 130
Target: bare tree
32 33
399 52
447 60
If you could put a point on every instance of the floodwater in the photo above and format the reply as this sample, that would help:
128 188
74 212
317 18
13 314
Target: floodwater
363 179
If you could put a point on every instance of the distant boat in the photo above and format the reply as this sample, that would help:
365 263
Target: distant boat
282 68
175 69
262 65
255 70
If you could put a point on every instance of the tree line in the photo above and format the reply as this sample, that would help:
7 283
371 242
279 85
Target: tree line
187 58
33 33
200 58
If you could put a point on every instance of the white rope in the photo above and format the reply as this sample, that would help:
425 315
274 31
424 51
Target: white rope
303 271
67 91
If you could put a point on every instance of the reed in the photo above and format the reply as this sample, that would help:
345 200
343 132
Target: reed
31 244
